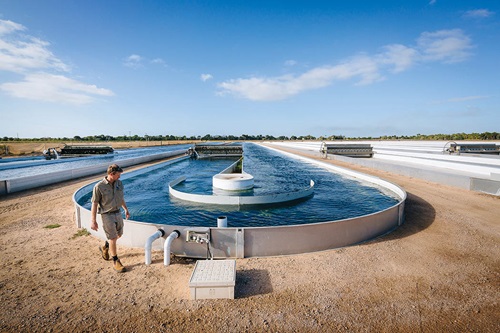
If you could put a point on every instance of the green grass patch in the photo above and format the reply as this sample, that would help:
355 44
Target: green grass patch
81 232
52 226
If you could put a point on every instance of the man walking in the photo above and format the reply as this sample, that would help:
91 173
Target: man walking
107 199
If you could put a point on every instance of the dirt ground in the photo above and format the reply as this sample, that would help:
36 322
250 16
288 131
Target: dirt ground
439 272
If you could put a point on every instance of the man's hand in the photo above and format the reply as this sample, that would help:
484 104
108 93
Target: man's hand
93 225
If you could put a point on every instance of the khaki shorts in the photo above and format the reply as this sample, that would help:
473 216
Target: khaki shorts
112 224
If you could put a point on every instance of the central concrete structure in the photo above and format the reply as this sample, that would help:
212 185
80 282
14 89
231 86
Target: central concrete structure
233 181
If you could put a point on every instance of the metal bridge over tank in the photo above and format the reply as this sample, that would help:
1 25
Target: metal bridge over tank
350 150
77 151
472 148
221 150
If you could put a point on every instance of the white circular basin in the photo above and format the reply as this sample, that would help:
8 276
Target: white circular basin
233 181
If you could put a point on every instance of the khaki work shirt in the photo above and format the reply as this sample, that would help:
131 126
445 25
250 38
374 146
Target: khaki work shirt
108 196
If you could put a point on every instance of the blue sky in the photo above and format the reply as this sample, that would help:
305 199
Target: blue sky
353 68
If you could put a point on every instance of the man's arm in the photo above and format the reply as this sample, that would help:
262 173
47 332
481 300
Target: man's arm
127 214
93 214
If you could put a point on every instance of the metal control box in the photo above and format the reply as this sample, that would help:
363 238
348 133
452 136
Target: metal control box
213 279
197 235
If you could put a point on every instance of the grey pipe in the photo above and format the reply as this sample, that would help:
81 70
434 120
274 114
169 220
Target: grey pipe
166 247
149 243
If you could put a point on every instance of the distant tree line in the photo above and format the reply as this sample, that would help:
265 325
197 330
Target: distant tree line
246 137
449 137
207 137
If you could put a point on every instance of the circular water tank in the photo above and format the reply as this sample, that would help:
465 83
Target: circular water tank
233 181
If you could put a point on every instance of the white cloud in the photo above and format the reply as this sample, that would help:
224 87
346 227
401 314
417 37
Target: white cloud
206 77
7 27
461 99
133 61
261 89
447 46
136 61
467 98
478 13
54 88
20 53
277 88
400 56
158 61
432 2
290 63
31 58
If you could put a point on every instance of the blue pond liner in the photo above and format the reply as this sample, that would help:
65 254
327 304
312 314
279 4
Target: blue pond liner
335 196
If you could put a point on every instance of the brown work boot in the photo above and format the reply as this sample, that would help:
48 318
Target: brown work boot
104 252
118 266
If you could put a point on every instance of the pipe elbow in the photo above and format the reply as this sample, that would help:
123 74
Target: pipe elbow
149 244
166 248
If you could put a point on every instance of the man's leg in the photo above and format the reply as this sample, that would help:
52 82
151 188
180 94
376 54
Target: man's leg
112 247
113 227
117 265
105 251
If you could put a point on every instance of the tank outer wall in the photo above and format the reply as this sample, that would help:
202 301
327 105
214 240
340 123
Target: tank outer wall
276 241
